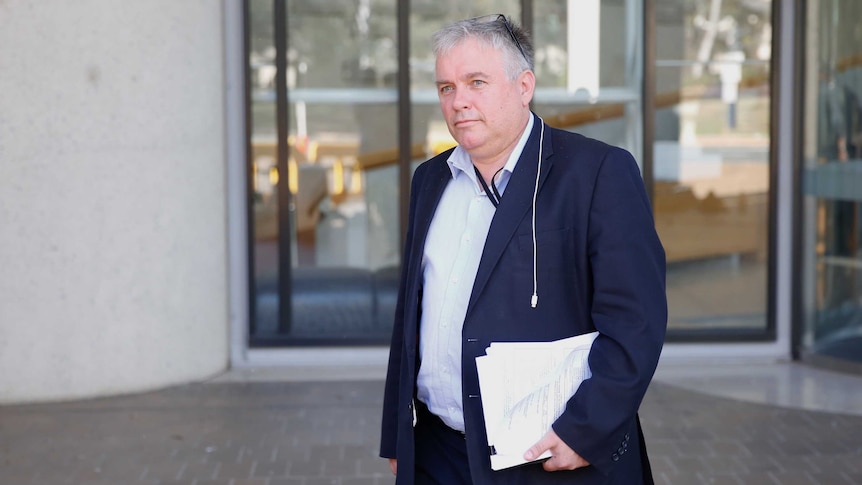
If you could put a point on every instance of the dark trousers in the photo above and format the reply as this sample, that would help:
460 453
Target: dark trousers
441 452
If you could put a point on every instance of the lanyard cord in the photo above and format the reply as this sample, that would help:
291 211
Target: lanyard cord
493 195
534 300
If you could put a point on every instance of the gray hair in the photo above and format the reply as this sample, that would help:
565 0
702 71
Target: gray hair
492 31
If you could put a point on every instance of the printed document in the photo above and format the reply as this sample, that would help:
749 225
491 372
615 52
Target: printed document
525 387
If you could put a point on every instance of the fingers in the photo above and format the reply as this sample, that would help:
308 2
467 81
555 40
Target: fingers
553 464
393 465
563 460
540 447
562 457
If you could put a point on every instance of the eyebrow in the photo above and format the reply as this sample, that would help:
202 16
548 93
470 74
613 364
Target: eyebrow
469 75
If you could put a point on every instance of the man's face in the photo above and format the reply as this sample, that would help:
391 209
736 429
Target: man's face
485 111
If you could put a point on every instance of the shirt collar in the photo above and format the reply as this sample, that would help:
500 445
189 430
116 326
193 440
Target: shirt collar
459 161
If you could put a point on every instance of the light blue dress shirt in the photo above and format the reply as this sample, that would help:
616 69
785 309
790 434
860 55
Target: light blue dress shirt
453 248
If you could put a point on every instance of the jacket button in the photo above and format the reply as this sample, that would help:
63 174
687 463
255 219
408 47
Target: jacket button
615 457
621 450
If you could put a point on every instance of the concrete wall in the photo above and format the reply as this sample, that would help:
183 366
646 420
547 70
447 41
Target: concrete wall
113 272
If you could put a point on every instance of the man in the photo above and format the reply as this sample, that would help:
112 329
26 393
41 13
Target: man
520 233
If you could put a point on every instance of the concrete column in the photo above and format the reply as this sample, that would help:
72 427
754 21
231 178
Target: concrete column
113 257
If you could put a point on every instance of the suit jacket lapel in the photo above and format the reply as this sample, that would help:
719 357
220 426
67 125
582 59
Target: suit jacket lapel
426 203
514 205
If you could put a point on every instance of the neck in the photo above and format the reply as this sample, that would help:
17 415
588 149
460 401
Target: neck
489 169
489 165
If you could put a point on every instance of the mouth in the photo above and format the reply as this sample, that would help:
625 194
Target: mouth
460 123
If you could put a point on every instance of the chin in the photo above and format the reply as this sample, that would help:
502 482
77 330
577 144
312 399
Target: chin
469 147
468 142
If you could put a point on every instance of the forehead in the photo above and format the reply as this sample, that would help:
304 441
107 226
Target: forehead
469 56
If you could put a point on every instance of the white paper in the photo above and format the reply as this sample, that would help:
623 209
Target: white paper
525 387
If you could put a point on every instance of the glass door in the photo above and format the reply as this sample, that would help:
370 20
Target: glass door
331 150
832 182
324 151
713 165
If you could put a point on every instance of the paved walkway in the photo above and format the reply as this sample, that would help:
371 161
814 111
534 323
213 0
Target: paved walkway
315 433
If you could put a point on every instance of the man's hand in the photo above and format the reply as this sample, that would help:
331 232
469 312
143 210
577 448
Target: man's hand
393 465
562 457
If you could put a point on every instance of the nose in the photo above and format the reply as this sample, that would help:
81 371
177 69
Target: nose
461 99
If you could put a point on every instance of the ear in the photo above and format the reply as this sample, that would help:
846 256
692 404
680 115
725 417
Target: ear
527 85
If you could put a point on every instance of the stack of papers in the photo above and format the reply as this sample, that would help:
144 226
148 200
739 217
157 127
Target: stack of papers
525 387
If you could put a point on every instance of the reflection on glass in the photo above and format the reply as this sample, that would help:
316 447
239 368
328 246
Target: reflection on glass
832 180
587 68
342 172
711 157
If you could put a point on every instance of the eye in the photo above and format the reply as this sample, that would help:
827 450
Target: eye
445 89
478 82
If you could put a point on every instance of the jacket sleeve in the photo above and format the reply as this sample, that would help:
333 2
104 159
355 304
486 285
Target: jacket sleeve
628 308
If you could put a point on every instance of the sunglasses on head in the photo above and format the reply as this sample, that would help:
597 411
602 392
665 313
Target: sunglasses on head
498 17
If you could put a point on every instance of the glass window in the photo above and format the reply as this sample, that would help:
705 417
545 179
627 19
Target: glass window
588 68
712 162
342 171
832 181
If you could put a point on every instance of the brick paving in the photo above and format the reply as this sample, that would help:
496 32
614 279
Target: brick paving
326 433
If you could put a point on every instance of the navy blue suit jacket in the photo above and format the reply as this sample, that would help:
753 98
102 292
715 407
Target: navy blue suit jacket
600 266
